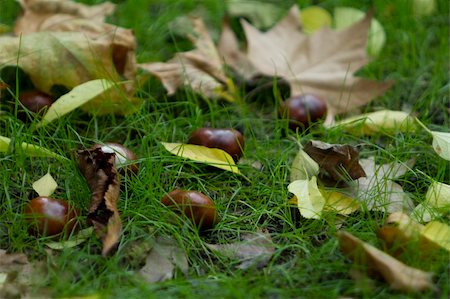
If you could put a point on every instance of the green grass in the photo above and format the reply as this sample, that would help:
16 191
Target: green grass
307 262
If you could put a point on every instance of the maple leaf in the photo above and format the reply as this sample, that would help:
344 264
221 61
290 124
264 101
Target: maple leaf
323 63
200 68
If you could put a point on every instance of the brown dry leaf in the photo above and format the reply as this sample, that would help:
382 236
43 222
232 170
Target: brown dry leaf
378 191
17 276
323 63
201 68
101 175
340 161
399 276
165 256
255 249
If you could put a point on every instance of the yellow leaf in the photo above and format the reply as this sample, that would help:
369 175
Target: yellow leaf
45 186
303 167
438 233
437 201
441 144
384 121
310 201
423 7
76 240
314 18
339 203
211 156
30 150
78 96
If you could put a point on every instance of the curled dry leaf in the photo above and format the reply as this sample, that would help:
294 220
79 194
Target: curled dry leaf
338 160
101 175
323 63
164 257
255 249
384 121
399 276
201 68
211 156
378 191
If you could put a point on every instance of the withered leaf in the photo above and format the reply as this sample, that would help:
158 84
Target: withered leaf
201 68
101 175
323 63
255 249
340 161
163 259
376 262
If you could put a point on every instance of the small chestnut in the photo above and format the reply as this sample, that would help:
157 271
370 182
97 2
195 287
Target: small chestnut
124 156
229 140
198 207
35 101
50 217
303 110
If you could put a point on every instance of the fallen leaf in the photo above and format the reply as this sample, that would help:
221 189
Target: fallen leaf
378 191
347 16
339 203
441 144
384 122
424 7
78 96
69 59
314 18
310 200
101 175
437 233
163 259
45 186
28 149
201 68
338 160
74 241
261 14
322 63
303 167
399 276
255 250
211 156
437 202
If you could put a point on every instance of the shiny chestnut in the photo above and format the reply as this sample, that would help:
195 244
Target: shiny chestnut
198 207
229 140
303 110
124 156
50 217
35 101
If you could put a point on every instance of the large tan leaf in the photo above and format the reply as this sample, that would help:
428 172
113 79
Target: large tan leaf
398 275
201 68
211 156
69 59
323 63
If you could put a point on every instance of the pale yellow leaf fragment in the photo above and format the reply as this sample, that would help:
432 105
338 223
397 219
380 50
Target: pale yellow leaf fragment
310 201
398 275
438 233
45 186
211 156
339 203
76 240
441 144
30 150
437 201
78 96
303 167
384 121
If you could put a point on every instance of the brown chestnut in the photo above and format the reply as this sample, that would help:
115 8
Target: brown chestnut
50 217
303 110
229 140
35 101
124 156
198 207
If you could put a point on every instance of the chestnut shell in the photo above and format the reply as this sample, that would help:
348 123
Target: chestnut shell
35 100
229 140
198 207
50 217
